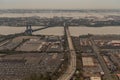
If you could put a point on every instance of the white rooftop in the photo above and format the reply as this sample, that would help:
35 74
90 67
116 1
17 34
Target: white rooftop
87 61
95 78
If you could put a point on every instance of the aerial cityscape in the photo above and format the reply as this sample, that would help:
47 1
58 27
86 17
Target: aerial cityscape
59 43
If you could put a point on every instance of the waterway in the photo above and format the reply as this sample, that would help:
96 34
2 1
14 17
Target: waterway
75 31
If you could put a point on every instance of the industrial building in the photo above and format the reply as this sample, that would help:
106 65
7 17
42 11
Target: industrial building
114 43
88 61
95 78
91 66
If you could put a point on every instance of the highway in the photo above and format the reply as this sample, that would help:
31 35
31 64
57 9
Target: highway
101 61
72 65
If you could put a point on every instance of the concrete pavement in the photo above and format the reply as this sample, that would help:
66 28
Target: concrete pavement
72 66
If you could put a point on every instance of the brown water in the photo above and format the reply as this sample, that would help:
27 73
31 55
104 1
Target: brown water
5 30
75 31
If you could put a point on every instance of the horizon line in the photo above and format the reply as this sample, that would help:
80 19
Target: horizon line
55 9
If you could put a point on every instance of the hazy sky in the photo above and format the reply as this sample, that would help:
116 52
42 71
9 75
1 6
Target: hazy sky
60 4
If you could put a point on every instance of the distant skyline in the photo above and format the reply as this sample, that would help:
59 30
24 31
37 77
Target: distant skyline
59 4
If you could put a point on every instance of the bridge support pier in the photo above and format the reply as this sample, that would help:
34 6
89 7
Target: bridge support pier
28 30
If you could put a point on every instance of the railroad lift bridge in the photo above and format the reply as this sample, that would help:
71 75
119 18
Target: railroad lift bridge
29 30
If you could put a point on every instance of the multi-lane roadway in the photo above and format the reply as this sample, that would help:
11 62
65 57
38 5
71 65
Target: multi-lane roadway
72 65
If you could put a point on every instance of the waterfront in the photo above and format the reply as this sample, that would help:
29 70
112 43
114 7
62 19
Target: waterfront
75 31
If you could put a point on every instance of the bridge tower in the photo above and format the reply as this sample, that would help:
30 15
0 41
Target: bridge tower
28 30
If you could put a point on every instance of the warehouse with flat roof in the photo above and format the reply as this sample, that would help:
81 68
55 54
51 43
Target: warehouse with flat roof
88 61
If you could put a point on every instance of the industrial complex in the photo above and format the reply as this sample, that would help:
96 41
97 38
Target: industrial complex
28 56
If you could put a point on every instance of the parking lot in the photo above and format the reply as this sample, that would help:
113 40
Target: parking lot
19 65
